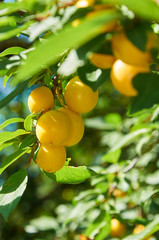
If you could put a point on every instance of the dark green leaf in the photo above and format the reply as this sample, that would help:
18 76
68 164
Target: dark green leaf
146 9
147 86
70 37
28 141
93 76
150 229
71 175
11 50
13 94
4 63
11 192
10 121
5 136
138 36
12 158
5 145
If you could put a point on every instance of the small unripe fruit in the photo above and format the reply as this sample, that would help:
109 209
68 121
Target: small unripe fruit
117 228
53 128
77 127
122 75
103 61
79 97
40 99
51 159
118 193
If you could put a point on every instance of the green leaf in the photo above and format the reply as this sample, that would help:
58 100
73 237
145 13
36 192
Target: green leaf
147 86
71 175
4 63
11 50
28 122
28 141
19 89
10 121
14 31
8 8
138 36
129 137
43 223
70 37
5 136
100 228
5 145
12 158
146 9
112 157
11 192
93 76
149 230
8 74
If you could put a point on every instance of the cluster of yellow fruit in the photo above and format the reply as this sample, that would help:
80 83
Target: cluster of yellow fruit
64 127
127 62
118 229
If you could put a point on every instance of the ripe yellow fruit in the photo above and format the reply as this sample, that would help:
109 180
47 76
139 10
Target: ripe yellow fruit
84 3
79 97
117 228
102 60
139 228
51 159
125 50
40 99
122 75
53 128
77 127
118 193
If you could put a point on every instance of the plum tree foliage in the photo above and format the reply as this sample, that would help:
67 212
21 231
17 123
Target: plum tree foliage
80 103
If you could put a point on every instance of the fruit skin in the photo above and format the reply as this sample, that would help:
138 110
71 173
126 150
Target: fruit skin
77 127
118 193
103 61
53 128
117 228
122 75
125 50
79 97
139 228
51 159
39 99
84 3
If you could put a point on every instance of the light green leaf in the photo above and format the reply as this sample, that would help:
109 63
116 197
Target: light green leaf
12 158
14 31
8 8
112 157
6 136
100 228
11 50
28 123
129 137
150 229
49 52
11 192
13 94
5 145
10 121
146 9
71 175
43 223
